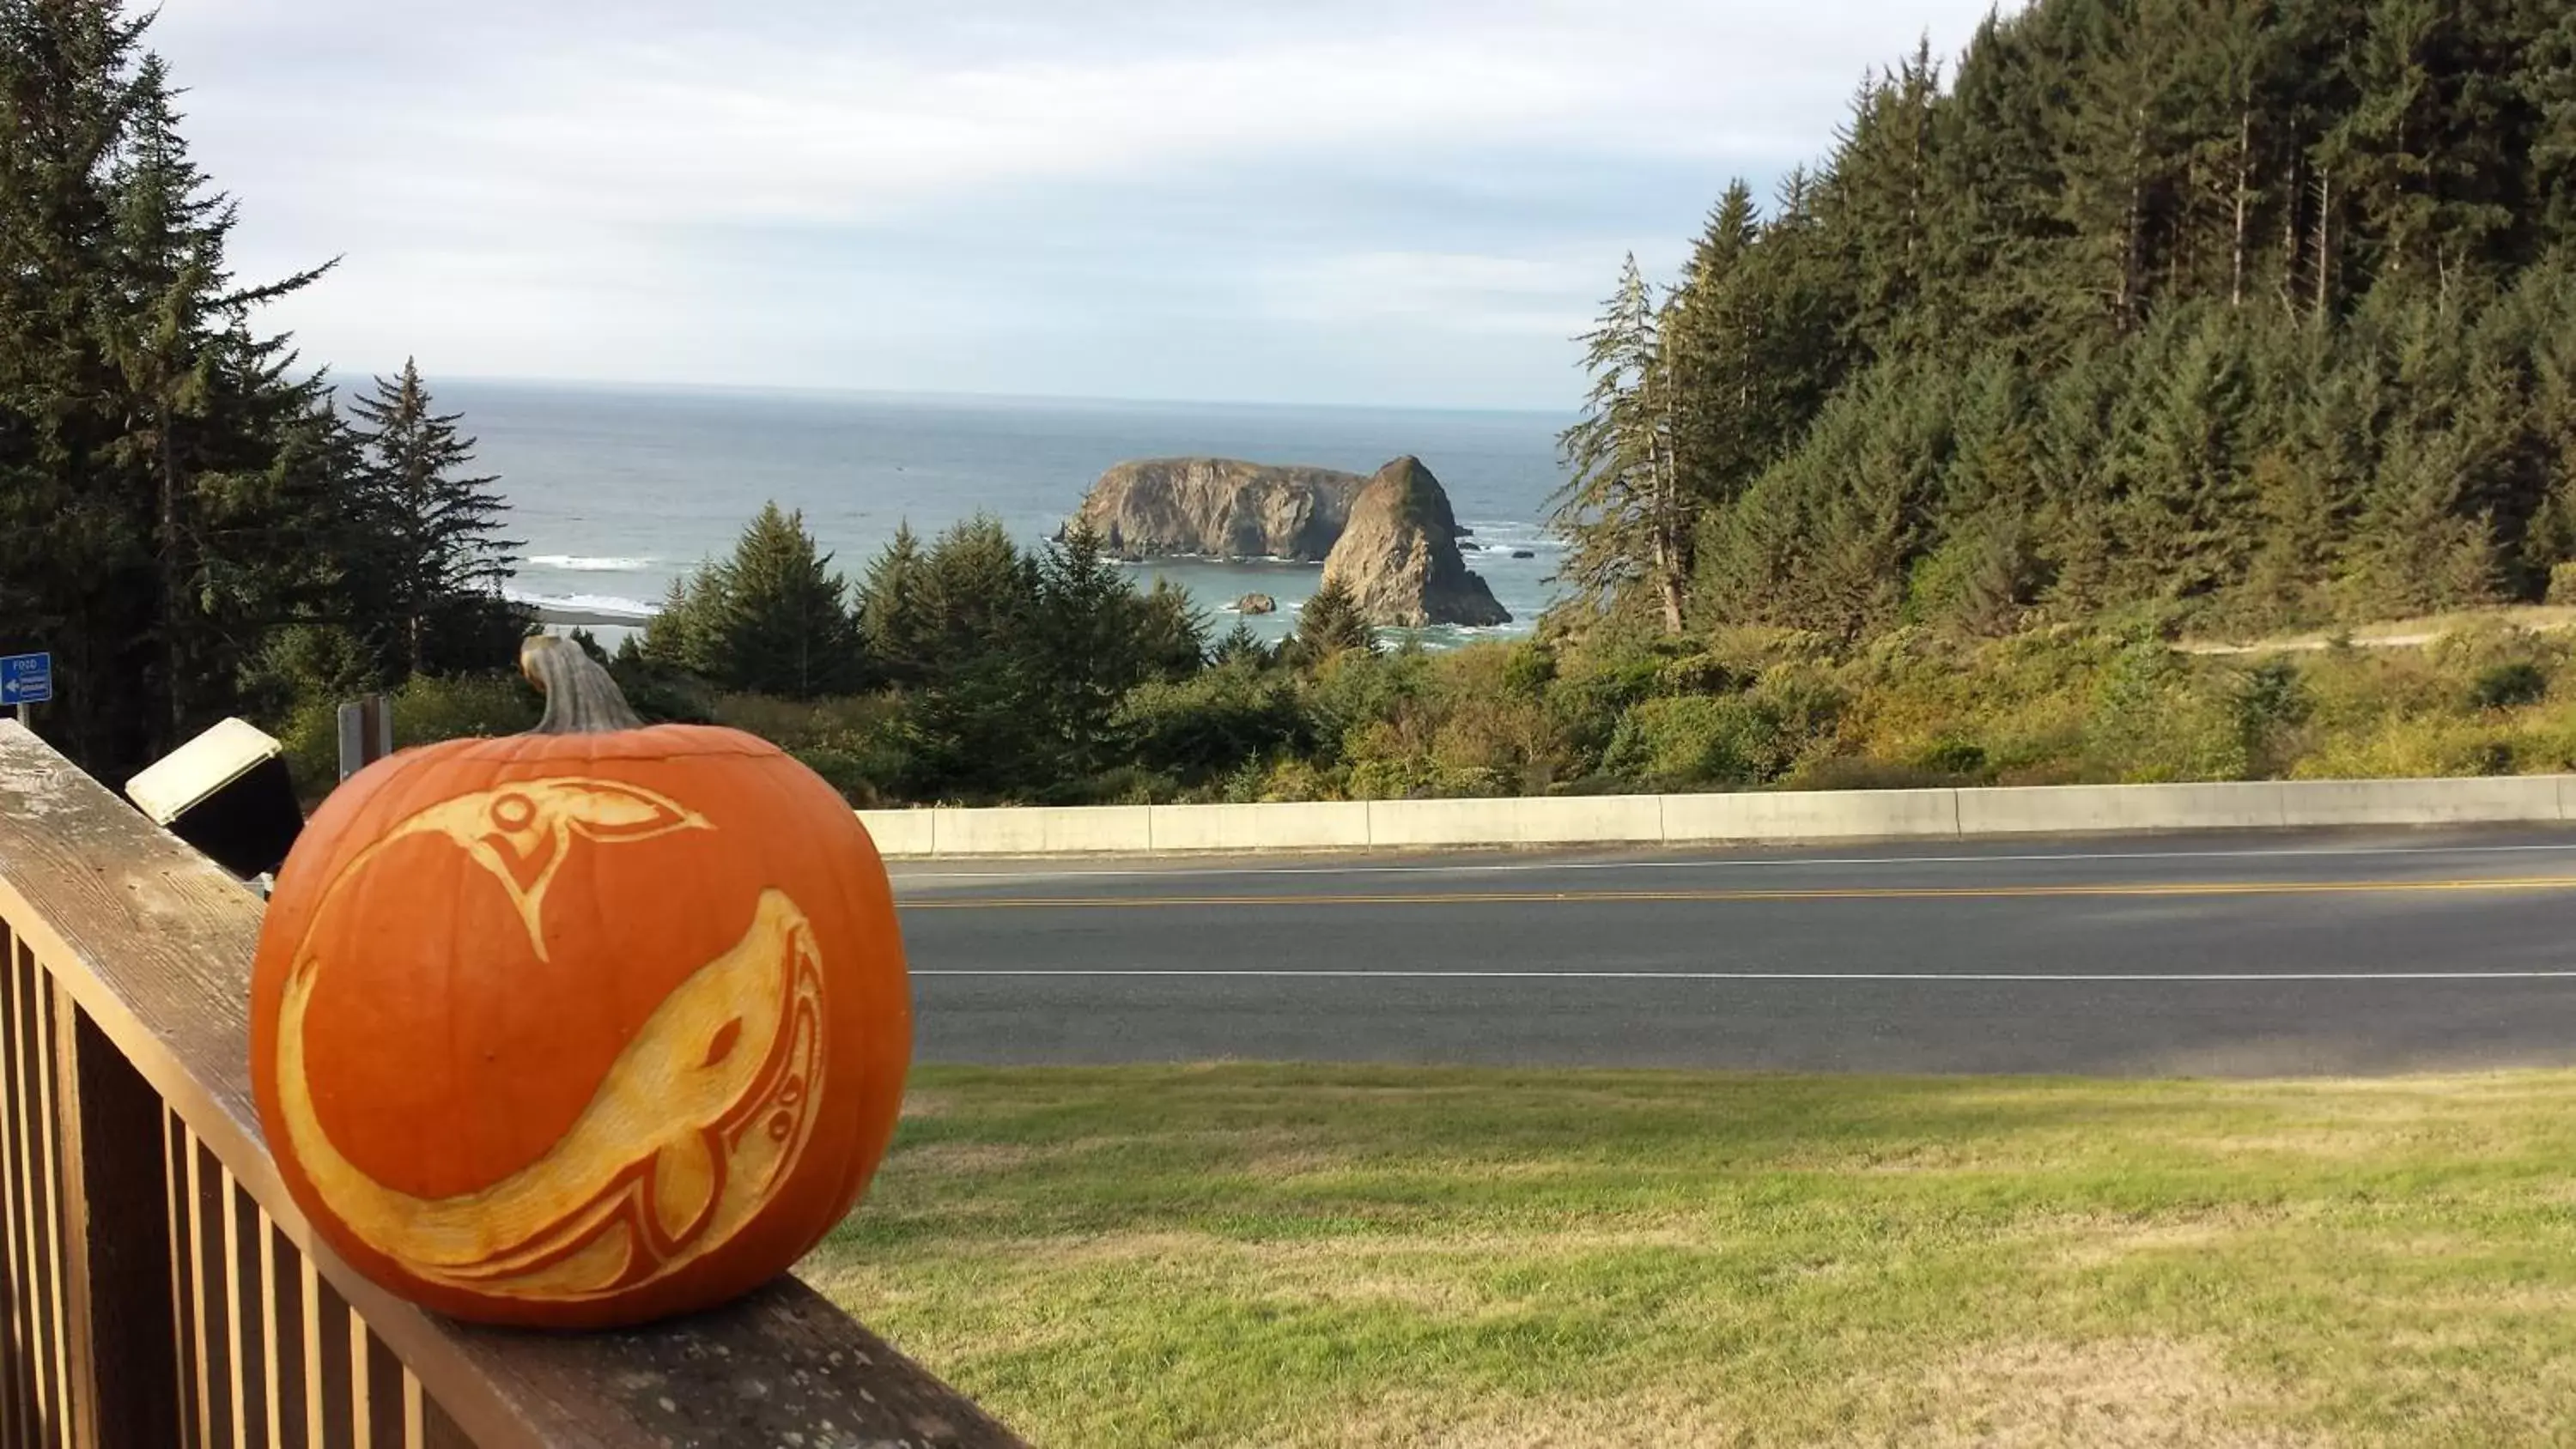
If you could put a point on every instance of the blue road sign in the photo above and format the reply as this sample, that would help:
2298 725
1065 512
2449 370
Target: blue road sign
26 678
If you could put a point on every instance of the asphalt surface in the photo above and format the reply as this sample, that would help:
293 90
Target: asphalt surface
2203 955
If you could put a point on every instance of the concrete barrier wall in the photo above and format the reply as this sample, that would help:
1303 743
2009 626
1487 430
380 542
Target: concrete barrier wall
901 833
2076 809
1336 826
1753 817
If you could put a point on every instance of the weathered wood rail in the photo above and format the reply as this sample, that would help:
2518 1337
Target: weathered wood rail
158 1285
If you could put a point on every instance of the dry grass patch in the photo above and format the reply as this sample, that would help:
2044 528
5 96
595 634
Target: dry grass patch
2119 1394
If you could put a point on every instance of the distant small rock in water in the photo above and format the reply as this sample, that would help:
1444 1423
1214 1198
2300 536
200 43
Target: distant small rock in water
1256 604
1523 553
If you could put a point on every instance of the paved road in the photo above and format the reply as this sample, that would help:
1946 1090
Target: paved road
2269 954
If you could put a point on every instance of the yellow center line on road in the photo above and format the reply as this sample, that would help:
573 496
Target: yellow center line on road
2150 889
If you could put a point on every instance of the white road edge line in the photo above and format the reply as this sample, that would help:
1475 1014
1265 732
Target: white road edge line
1184 872
1982 978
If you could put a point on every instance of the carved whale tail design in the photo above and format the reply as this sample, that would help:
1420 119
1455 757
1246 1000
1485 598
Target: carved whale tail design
520 833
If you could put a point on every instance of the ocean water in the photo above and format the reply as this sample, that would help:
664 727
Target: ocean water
619 492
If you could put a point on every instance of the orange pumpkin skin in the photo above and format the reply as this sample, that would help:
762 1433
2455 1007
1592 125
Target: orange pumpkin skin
580 1030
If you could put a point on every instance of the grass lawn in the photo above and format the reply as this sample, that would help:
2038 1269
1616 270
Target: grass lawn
1294 1255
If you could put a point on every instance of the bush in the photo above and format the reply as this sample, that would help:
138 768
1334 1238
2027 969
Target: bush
1209 727
1955 758
2562 582
2270 702
425 711
467 705
2510 685
1695 741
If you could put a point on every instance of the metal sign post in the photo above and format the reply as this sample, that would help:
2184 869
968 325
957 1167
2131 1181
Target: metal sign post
26 680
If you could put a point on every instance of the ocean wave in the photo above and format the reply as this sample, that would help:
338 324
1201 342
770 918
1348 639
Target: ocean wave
604 605
574 563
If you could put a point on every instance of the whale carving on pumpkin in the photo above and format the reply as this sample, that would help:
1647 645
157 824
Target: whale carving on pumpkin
699 1165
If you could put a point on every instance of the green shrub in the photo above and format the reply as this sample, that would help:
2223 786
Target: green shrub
2270 703
2509 685
1209 727
466 705
2562 582
1695 740
1954 758
1530 668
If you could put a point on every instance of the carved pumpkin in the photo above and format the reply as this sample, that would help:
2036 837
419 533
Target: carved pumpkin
583 1027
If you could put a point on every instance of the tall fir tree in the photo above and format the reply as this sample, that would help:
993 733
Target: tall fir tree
442 560
894 621
775 618
1622 511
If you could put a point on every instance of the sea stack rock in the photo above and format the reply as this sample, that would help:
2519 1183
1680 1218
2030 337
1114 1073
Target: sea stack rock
1256 604
1399 555
1219 508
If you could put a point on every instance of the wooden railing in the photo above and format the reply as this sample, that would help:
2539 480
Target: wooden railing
159 1285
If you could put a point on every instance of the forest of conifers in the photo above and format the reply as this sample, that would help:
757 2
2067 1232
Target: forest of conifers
2246 312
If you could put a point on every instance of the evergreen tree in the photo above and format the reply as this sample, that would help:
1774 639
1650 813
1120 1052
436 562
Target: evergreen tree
776 617
1171 632
894 624
1717 348
1622 512
442 561
978 595
1330 623
1240 649
1084 649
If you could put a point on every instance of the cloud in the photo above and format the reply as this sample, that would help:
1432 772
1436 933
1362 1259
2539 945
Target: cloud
525 188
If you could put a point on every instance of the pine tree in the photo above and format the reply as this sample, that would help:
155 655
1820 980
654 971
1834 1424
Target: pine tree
442 562
1084 648
1240 649
1721 435
776 616
1330 623
978 595
894 623
1622 512
1171 632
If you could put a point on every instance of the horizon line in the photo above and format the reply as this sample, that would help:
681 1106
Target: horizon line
342 377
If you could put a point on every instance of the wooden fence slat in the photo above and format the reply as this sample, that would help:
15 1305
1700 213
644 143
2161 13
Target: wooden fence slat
17 1389
54 1210
207 1258
282 1274
27 1197
125 1380
178 1149
385 1378
244 1228
330 1330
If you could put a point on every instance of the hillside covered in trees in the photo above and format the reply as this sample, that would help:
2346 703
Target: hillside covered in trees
2240 313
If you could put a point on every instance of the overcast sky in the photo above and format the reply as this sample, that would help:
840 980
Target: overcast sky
1395 201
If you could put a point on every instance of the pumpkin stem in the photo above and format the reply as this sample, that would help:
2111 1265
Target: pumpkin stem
580 697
